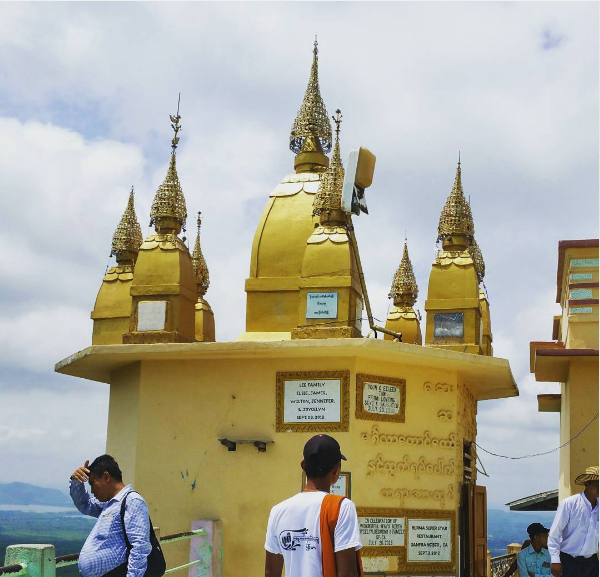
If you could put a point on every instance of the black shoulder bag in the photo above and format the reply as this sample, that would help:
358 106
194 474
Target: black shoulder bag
156 560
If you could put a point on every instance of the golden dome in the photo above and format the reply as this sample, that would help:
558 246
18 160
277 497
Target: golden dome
456 217
312 119
128 235
404 283
199 264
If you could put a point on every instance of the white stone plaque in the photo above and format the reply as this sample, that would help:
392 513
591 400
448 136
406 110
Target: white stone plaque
321 305
381 399
152 315
312 401
429 540
381 531
340 487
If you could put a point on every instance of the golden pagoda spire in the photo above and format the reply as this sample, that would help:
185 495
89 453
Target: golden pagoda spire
456 217
311 131
127 238
328 200
478 261
404 289
169 211
200 268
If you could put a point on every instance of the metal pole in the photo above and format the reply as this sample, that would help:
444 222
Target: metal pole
374 327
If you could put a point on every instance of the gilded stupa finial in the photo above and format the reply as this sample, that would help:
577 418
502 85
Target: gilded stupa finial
311 131
329 194
456 217
169 202
404 289
127 238
200 268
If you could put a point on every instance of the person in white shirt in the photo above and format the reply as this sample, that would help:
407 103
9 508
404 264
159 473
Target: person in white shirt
573 537
534 560
315 534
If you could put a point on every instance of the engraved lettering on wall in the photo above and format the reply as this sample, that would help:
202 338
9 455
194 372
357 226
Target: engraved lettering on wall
405 465
424 440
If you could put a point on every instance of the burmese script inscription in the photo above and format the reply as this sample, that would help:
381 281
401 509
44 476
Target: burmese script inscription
311 401
429 540
382 531
321 305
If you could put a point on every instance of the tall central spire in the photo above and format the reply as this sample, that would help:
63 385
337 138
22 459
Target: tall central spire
169 211
311 131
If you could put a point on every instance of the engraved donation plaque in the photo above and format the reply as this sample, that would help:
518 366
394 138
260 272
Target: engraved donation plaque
380 398
315 401
381 531
341 487
429 542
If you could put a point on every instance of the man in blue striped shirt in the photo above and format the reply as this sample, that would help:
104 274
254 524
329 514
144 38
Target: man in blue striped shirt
104 552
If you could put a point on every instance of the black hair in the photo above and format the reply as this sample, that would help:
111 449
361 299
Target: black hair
106 463
313 470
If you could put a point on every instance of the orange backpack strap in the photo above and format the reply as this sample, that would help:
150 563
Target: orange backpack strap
330 511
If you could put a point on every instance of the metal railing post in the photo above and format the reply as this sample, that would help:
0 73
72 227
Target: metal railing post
207 549
39 560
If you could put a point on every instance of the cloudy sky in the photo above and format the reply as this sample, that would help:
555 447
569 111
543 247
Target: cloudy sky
85 94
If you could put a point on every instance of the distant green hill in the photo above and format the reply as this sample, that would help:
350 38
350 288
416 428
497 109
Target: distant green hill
506 527
26 494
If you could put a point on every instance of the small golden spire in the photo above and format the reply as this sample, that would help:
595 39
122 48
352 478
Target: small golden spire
128 235
169 202
404 289
456 217
329 194
312 121
200 268
478 261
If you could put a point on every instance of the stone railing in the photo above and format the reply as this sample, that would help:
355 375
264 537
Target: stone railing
499 566
206 555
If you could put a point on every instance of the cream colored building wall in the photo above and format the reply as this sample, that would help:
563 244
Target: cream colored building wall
564 468
583 405
165 419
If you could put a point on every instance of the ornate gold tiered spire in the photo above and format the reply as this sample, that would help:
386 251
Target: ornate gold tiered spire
478 261
311 131
329 194
169 202
200 268
404 289
456 217
127 238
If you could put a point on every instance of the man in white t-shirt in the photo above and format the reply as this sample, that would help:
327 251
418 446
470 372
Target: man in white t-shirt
314 536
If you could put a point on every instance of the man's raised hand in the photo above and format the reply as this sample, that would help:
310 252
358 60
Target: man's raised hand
82 474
